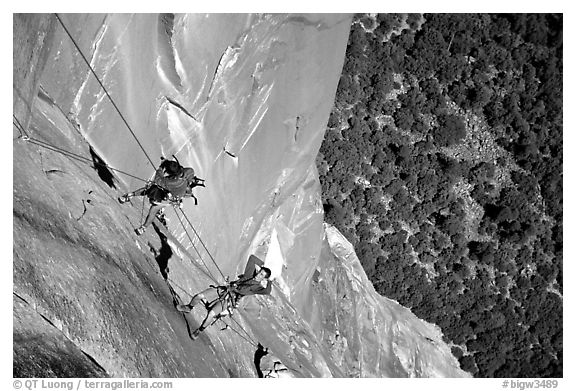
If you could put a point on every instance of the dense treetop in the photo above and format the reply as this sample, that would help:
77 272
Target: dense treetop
442 164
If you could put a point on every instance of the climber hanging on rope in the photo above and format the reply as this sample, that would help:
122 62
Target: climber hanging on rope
171 184
221 300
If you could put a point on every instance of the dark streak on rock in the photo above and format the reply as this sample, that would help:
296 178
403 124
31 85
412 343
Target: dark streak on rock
182 108
229 153
88 356
166 49
83 212
216 73
53 171
43 95
297 129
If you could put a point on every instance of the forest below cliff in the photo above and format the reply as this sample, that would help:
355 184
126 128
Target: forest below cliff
442 164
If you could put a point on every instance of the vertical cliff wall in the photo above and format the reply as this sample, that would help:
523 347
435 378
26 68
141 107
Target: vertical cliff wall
244 99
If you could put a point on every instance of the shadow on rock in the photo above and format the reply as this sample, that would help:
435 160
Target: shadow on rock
102 169
163 255
42 350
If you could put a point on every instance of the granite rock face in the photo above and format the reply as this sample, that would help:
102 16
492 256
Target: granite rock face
244 99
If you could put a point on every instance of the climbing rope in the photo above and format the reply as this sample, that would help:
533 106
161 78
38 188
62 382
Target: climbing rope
80 158
130 129
195 248
104 89
23 134
249 339
72 155
86 160
202 242
172 282
133 134
243 329
142 210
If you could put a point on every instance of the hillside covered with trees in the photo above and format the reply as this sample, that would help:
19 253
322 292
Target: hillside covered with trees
442 164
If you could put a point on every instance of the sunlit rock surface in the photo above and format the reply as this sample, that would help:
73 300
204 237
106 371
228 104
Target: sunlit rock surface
244 99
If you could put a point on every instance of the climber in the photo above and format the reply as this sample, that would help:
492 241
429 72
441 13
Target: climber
170 185
261 351
220 301
271 366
